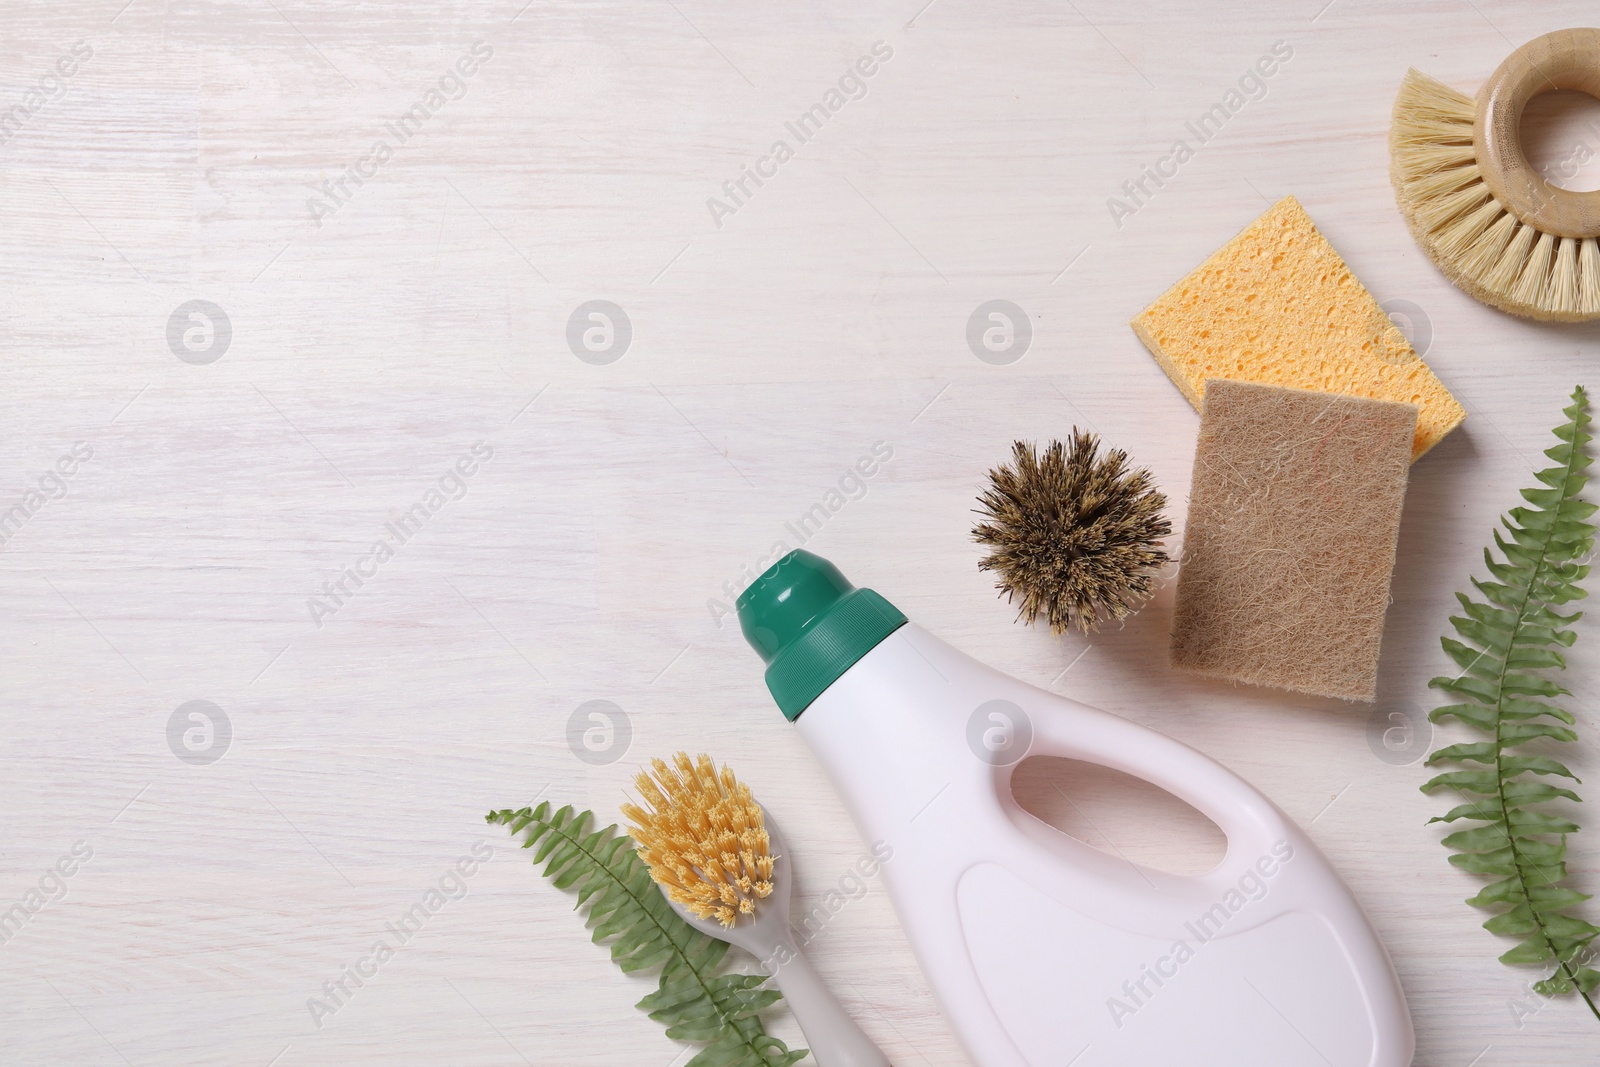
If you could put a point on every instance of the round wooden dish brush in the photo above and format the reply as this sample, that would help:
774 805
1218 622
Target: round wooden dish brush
714 852
1475 204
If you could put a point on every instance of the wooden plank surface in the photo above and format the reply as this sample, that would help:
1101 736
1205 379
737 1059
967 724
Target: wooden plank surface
405 333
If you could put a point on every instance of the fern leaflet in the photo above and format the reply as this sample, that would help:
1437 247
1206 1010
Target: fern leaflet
1507 637
626 909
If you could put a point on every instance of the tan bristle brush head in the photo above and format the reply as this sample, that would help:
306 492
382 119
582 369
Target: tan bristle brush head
703 837
1474 202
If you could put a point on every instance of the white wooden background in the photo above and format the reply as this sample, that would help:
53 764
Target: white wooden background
370 349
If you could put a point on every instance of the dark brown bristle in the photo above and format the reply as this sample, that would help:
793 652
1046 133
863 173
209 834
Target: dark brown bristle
1076 538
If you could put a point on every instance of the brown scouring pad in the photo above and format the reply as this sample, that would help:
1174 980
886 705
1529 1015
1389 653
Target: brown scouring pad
1290 542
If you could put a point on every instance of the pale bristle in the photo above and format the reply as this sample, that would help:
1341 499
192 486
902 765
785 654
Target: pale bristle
1478 259
1564 279
1426 158
1533 285
1478 237
1452 209
1445 180
1503 277
1589 278
1474 238
703 837
1430 100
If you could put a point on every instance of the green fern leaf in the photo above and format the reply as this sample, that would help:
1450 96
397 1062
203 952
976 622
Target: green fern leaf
627 913
1501 643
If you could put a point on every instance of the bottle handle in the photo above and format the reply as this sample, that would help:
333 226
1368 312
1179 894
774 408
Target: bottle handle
1250 821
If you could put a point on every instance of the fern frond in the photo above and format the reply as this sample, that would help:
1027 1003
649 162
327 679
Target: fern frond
1506 639
626 910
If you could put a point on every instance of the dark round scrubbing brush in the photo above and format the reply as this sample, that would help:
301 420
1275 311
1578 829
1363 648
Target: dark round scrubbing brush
1075 537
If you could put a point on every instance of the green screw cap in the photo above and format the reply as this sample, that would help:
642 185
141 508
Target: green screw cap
810 625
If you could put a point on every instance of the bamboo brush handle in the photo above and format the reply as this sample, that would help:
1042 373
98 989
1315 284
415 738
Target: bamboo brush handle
1565 59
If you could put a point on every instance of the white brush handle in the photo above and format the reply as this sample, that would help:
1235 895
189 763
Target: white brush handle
833 1037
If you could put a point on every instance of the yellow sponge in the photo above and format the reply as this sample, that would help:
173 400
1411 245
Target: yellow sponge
1277 305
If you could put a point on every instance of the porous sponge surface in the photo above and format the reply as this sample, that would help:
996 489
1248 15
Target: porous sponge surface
1277 305
1290 542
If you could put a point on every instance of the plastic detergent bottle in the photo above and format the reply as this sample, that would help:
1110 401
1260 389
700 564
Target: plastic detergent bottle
1041 950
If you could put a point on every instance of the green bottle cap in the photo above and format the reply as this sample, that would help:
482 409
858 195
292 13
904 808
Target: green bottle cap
810 625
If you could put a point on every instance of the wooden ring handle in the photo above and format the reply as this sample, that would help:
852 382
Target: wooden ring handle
1565 59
